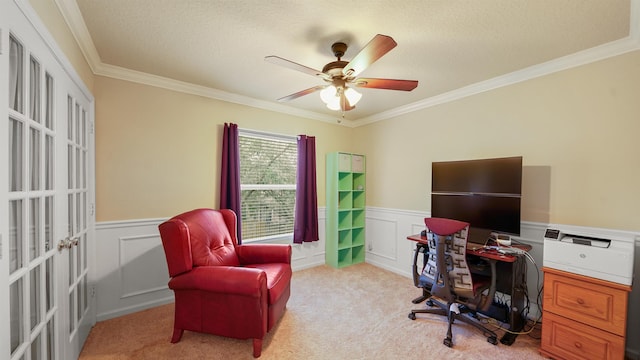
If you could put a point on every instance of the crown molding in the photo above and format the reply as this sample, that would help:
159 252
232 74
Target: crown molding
121 73
598 53
73 17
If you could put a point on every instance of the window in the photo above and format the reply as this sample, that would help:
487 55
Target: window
267 184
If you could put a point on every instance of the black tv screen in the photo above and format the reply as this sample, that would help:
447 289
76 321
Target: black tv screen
491 213
500 175
486 193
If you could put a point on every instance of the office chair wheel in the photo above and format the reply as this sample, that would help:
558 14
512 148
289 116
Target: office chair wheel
412 316
448 342
430 302
493 340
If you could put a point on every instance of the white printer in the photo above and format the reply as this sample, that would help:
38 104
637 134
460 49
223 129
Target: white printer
574 250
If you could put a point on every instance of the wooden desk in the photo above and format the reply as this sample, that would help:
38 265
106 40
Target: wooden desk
480 251
511 279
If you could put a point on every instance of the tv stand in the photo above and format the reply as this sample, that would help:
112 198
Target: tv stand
511 280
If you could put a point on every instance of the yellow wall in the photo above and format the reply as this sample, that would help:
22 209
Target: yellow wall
158 151
577 130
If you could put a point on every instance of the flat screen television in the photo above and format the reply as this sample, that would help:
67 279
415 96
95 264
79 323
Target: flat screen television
486 193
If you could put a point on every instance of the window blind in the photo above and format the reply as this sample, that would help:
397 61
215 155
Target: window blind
268 184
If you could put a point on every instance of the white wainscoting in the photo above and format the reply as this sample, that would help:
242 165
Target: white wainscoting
131 270
132 273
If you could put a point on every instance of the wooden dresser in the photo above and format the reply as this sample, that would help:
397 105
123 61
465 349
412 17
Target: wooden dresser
583 317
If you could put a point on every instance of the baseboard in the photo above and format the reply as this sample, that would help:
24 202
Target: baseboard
392 269
134 308
300 267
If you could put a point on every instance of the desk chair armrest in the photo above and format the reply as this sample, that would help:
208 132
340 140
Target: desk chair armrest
488 299
420 249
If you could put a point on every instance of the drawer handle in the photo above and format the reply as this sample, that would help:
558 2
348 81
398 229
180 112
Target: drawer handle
578 345
580 301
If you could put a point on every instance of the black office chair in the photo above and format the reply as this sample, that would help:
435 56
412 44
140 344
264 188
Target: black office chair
456 292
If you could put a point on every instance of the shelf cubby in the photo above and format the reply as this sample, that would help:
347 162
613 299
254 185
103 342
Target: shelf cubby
345 200
357 254
358 199
357 236
358 181
344 220
357 218
345 238
345 181
345 257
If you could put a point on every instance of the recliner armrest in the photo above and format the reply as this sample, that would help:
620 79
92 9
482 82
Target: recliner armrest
223 279
264 253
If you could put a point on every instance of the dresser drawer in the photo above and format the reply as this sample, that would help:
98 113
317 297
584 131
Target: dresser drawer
594 302
567 339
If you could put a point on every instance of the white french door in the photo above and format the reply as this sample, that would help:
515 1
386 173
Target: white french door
79 310
46 197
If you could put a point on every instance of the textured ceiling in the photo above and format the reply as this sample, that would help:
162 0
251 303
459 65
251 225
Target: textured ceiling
445 45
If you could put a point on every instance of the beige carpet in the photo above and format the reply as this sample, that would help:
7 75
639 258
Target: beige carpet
359 312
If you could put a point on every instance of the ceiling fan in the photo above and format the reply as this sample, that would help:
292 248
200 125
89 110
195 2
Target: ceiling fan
341 76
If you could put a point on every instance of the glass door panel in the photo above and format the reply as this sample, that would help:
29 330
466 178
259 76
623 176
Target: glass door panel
15 235
77 205
35 298
16 320
16 129
31 200
16 75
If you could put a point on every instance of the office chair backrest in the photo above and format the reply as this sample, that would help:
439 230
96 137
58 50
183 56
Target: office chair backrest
446 267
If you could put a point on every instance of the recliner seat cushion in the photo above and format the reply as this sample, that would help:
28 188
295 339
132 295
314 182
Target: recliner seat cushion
278 279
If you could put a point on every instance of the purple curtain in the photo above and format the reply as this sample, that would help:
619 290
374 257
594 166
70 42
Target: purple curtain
230 174
305 227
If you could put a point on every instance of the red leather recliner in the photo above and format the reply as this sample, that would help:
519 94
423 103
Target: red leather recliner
220 287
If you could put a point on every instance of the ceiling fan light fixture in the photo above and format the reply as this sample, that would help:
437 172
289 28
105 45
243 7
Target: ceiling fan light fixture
352 95
329 94
334 104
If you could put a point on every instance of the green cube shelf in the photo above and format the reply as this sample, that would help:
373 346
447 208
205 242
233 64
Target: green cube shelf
345 209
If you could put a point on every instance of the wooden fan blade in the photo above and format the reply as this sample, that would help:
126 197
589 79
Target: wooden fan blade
374 50
295 66
388 84
302 93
